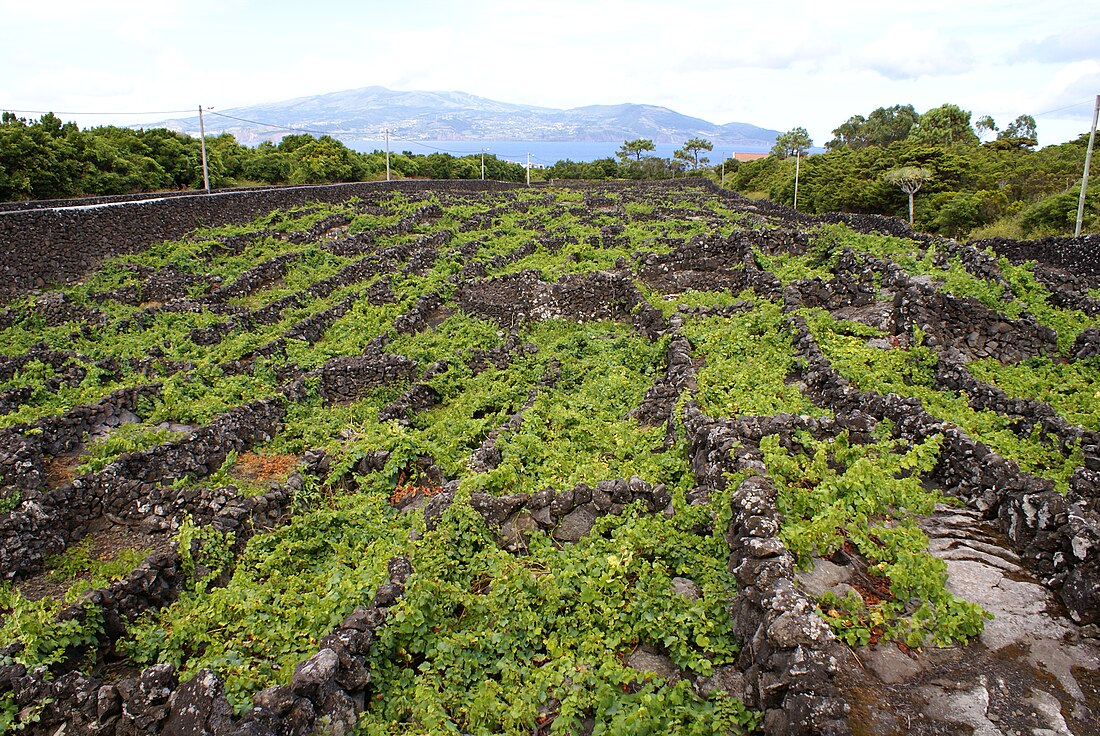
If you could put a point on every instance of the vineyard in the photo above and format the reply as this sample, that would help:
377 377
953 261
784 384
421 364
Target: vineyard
585 459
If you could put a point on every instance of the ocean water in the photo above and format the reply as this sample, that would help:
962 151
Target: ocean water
543 153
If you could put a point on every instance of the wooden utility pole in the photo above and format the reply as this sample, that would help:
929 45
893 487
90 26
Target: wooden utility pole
797 159
528 169
723 168
483 164
202 147
387 154
1085 177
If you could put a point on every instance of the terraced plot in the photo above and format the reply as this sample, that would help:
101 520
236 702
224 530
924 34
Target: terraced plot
582 459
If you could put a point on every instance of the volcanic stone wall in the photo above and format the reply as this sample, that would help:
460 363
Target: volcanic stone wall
22 448
46 243
45 525
1077 255
1056 534
789 655
327 691
43 247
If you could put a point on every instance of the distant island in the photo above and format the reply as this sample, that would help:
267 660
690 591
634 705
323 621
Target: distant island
362 114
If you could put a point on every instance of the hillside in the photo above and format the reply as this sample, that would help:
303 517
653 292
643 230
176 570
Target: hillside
601 458
364 113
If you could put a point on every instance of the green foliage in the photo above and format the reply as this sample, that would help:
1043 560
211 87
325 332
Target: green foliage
885 125
909 178
487 641
57 396
483 640
127 437
1072 388
982 190
690 152
833 491
669 304
635 148
947 270
1057 215
576 431
34 624
945 125
910 372
795 141
289 588
747 359
88 571
205 552
789 268
44 159
1029 291
11 500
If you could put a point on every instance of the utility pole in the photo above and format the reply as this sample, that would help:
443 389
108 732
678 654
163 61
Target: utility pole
387 154
797 157
483 164
202 146
723 168
528 169
1085 177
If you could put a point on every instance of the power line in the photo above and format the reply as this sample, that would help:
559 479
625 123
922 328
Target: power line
433 148
70 112
1067 107
271 125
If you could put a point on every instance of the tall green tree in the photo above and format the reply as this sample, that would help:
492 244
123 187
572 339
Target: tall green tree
1020 133
635 148
794 142
946 125
323 160
985 124
885 125
689 154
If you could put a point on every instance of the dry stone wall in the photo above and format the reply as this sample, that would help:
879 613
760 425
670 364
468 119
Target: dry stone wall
24 449
789 658
789 655
43 247
45 525
327 691
1058 535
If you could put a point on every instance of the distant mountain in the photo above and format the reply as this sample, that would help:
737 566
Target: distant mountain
362 114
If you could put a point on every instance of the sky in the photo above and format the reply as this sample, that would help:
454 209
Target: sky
777 64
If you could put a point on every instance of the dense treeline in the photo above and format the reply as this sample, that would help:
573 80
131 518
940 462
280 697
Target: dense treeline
48 159
1004 187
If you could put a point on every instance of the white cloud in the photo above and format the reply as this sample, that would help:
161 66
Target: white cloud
1071 92
777 65
1074 44
799 46
906 52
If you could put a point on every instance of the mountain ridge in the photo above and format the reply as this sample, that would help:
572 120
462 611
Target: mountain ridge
364 113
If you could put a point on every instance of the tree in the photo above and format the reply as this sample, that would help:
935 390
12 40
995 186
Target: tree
1020 133
323 159
909 179
689 154
882 127
635 148
794 142
946 125
985 124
